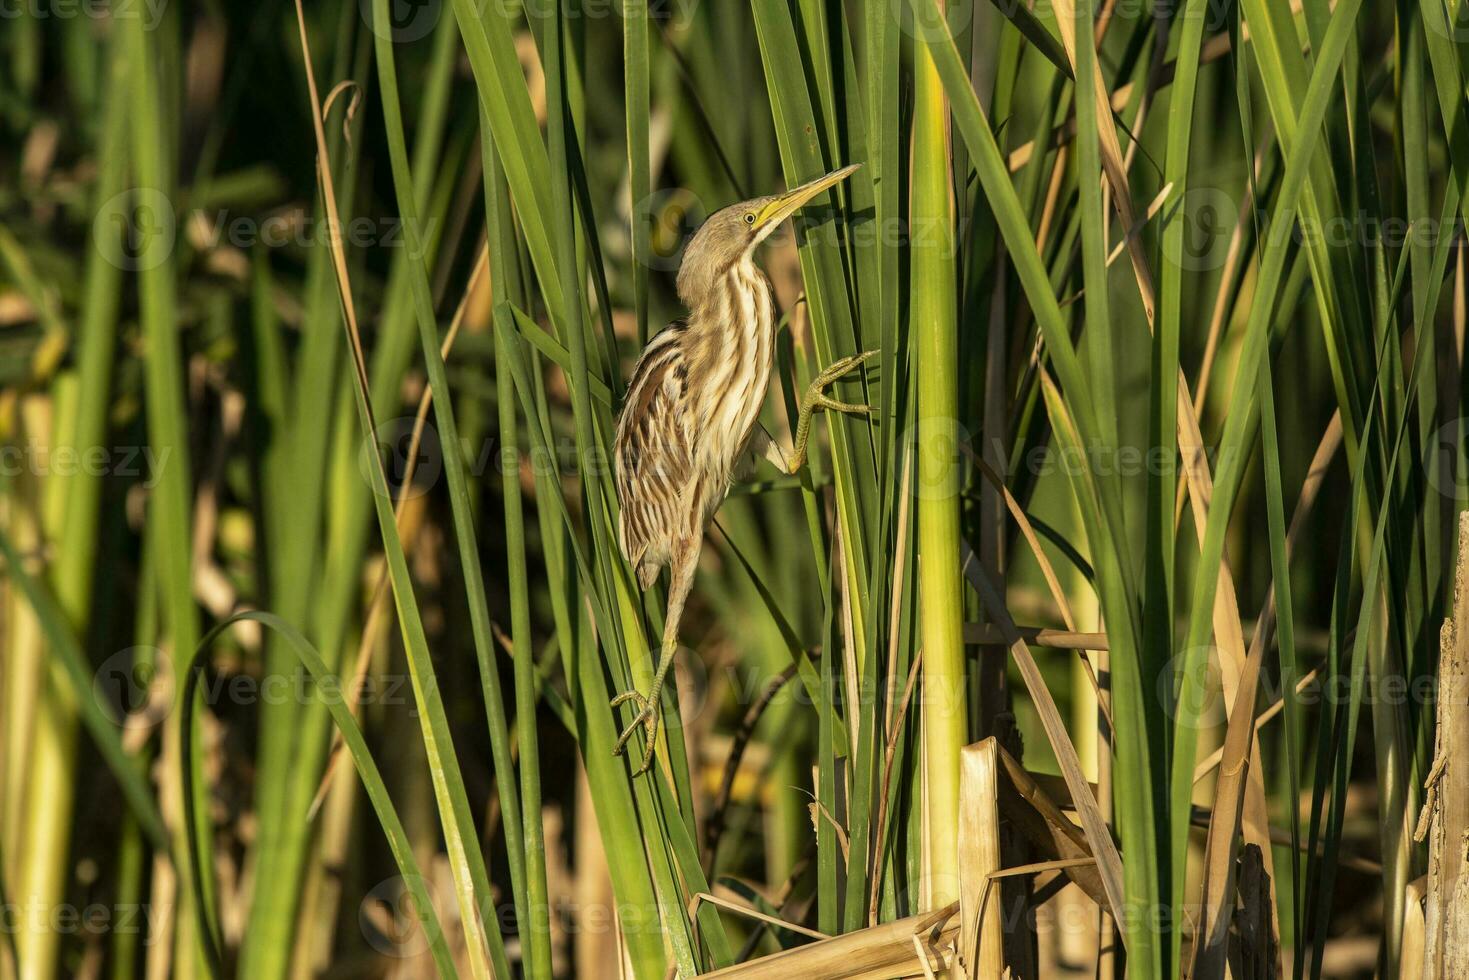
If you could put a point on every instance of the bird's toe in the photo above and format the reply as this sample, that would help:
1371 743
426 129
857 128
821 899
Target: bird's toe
648 755
646 718
642 705
627 696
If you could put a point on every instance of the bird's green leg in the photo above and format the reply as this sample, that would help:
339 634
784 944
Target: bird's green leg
816 397
649 709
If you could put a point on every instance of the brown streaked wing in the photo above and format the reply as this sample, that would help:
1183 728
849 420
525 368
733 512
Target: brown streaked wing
653 452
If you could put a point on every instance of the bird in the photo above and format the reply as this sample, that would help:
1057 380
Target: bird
689 419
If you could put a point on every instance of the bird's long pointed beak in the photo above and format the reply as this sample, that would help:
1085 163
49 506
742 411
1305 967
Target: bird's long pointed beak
788 203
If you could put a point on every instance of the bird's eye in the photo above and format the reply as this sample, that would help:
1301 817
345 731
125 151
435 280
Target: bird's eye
749 217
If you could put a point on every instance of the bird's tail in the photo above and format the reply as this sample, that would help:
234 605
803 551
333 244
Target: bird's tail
647 574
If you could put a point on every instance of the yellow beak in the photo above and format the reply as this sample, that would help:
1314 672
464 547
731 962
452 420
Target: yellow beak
788 203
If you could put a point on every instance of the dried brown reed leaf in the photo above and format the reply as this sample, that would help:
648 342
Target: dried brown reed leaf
876 953
1109 862
1446 925
981 943
1239 761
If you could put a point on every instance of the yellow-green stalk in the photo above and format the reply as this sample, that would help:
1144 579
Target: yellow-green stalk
81 399
170 502
935 376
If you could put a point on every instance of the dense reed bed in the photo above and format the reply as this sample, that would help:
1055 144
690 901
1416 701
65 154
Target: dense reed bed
1108 644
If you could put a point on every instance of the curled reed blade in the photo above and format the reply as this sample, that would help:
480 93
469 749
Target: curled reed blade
317 529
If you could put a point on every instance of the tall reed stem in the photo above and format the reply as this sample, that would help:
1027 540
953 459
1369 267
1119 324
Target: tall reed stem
935 377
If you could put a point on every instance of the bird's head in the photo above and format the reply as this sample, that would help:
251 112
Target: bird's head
731 234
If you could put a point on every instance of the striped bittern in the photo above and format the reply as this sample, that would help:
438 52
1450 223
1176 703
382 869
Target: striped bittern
689 420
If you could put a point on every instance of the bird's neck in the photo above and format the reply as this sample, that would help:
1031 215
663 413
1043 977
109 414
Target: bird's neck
737 306
730 359
733 342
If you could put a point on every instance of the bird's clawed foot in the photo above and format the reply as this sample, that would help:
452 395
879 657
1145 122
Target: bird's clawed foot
648 717
817 398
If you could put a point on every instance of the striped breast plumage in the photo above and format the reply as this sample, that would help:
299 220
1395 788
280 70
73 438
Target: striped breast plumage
693 401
